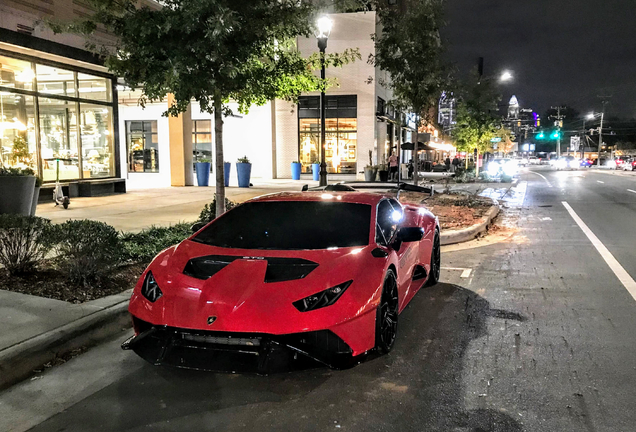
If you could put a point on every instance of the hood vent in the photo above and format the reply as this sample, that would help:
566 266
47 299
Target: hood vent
278 269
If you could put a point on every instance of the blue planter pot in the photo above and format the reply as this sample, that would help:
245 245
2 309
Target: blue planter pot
315 170
244 170
296 170
203 173
227 167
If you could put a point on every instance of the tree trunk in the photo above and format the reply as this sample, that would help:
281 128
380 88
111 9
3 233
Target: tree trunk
218 143
477 165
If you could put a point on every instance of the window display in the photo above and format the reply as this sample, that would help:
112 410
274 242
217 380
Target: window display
143 146
341 136
202 139
97 140
73 112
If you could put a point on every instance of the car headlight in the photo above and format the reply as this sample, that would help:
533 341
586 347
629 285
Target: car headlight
493 168
322 299
150 289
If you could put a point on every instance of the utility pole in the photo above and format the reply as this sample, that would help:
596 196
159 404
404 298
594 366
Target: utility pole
559 124
600 135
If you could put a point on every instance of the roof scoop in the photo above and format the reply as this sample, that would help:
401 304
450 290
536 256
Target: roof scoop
278 269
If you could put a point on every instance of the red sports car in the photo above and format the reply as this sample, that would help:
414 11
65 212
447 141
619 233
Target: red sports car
320 274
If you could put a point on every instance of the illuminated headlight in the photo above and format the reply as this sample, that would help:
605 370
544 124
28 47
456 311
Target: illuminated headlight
150 289
611 164
574 163
560 164
396 216
322 299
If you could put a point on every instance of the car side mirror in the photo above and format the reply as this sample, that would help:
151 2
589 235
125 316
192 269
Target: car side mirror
197 226
410 234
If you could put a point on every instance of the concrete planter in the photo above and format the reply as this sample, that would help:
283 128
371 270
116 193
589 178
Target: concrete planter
227 167
34 203
370 174
244 171
203 173
16 194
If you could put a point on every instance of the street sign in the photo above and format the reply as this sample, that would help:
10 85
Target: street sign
495 140
575 143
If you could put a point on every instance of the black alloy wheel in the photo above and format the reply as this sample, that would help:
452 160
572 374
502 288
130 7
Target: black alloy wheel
436 261
386 319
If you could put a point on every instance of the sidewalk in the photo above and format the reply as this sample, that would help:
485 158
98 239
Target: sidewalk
139 209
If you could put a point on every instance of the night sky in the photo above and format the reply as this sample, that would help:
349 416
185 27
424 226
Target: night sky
560 51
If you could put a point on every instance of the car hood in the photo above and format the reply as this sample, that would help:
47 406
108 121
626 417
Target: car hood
251 290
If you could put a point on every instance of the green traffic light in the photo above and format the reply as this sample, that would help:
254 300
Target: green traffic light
541 136
555 135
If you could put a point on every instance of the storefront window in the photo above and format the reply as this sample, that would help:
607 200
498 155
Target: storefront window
202 139
18 146
95 88
341 139
55 81
143 146
16 73
63 110
341 142
97 141
58 138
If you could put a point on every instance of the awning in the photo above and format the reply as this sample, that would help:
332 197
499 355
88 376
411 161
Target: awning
420 146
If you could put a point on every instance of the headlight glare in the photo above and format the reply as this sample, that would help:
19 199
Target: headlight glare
322 299
150 289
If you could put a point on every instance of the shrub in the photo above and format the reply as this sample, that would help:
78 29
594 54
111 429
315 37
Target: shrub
145 245
243 159
87 249
24 242
505 178
208 214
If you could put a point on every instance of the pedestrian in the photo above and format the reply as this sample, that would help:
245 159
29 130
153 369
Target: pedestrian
410 168
447 162
393 167
455 163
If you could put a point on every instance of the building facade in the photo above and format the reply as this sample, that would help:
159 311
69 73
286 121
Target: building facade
61 107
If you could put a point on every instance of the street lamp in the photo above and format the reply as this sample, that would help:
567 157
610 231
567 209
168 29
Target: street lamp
324 25
506 76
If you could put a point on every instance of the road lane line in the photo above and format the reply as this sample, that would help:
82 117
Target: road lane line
613 264
598 181
543 177
632 191
465 273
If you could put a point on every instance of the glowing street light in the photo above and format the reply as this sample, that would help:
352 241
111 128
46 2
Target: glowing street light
591 116
506 76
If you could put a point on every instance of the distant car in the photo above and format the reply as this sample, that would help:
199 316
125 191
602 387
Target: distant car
544 161
499 167
620 161
521 161
566 162
587 162
629 165
533 160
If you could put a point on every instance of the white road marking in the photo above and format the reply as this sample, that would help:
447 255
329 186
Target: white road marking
543 177
632 191
613 264
598 181
546 219
465 271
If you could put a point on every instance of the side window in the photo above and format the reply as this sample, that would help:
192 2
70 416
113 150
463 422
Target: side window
386 223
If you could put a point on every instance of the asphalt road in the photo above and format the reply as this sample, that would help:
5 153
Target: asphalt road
532 333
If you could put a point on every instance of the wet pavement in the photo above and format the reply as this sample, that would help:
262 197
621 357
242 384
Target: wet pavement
530 332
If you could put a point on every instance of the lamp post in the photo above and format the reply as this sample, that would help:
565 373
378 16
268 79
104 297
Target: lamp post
324 30
600 134
506 76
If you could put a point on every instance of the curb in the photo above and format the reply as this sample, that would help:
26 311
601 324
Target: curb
467 234
20 360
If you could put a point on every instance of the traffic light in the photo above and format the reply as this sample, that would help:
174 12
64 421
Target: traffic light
555 135
540 136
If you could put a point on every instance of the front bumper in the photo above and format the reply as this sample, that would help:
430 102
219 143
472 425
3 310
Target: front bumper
233 351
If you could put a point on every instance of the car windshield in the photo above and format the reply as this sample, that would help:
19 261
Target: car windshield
290 225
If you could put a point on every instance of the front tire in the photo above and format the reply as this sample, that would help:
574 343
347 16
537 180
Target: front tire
436 261
386 319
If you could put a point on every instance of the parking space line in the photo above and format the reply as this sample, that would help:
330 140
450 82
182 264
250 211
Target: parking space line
465 271
598 181
632 191
613 264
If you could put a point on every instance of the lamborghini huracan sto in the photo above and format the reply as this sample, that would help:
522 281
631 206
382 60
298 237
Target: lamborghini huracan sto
307 274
